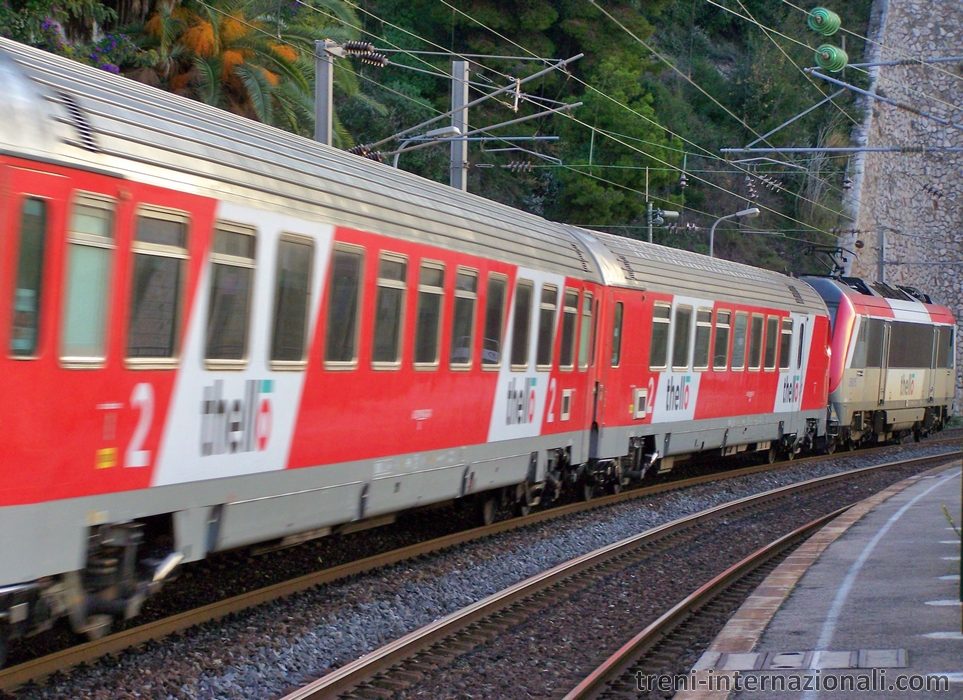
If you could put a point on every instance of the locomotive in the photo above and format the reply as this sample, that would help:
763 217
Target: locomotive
218 334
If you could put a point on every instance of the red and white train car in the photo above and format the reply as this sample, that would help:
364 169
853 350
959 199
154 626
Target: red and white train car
217 334
893 354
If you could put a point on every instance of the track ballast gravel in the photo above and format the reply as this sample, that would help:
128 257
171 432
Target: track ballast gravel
271 649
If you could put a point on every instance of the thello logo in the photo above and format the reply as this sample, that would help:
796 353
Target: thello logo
677 394
239 424
907 384
521 401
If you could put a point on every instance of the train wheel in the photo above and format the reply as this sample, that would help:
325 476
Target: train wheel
830 445
588 491
790 454
851 445
771 455
487 509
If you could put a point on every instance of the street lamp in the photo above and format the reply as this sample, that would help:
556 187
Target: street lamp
445 132
744 214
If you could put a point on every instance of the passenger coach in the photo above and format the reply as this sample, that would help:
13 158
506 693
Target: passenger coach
218 334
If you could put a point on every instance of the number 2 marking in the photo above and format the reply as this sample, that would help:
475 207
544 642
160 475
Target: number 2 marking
141 398
553 389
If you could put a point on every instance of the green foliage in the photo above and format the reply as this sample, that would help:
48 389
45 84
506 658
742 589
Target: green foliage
635 112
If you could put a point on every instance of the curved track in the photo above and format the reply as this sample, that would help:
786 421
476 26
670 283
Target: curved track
36 669
408 660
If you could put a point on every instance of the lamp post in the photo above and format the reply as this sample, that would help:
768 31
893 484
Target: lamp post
744 214
445 132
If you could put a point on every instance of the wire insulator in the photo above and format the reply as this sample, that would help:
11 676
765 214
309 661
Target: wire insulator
374 59
831 58
823 21
355 48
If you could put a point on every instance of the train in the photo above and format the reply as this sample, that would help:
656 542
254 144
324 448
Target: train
218 335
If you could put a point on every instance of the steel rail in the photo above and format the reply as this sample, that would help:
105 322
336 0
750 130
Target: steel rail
369 666
36 669
616 665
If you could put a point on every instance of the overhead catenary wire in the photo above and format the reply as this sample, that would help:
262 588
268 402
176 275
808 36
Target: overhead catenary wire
544 60
802 43
644 117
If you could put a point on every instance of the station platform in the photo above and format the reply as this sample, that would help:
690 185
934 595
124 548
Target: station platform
869 607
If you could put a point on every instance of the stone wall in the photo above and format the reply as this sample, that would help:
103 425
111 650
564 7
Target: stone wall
908 207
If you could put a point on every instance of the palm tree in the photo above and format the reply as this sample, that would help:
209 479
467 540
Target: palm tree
251 57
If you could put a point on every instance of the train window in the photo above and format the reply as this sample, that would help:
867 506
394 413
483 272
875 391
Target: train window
772 341
785 344
292 289
944 347
389 310
90 240
739 340
494 322
463 321
160 257
24 334
232 277
566 358
911 345
617 335
859 350
802 345
521 323
755 342
585 332
344 300
874 342
546 326
659 350
720 351
431 290
703 335
680 338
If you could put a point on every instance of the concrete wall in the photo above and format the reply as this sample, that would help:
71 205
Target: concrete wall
912 203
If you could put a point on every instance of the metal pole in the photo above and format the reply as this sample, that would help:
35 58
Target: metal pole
798 116
712 232
426 144
881 238
459 120
648 204
499 91
850 149
866 93
323 91
648 218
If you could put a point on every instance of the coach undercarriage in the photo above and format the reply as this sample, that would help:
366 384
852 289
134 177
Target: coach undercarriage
875 426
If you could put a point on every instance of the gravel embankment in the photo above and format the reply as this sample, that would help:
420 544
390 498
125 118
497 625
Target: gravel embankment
261 653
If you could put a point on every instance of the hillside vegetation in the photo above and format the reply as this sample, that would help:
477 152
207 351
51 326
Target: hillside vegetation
663 84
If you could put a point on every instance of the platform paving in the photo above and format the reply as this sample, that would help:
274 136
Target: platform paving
874 596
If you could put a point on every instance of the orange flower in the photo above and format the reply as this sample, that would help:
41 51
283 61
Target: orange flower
233 29
230 59
288 53
199 39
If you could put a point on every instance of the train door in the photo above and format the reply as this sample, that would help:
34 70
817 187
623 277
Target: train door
884 363
588 350
933 364
34 208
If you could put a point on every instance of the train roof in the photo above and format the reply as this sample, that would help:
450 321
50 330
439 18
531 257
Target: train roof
61 110
90 118
880 300
659 268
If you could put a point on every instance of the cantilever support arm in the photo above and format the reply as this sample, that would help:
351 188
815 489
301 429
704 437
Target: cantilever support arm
900 105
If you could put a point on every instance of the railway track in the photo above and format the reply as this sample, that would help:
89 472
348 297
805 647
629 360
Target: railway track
694 618
36 669
421 658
